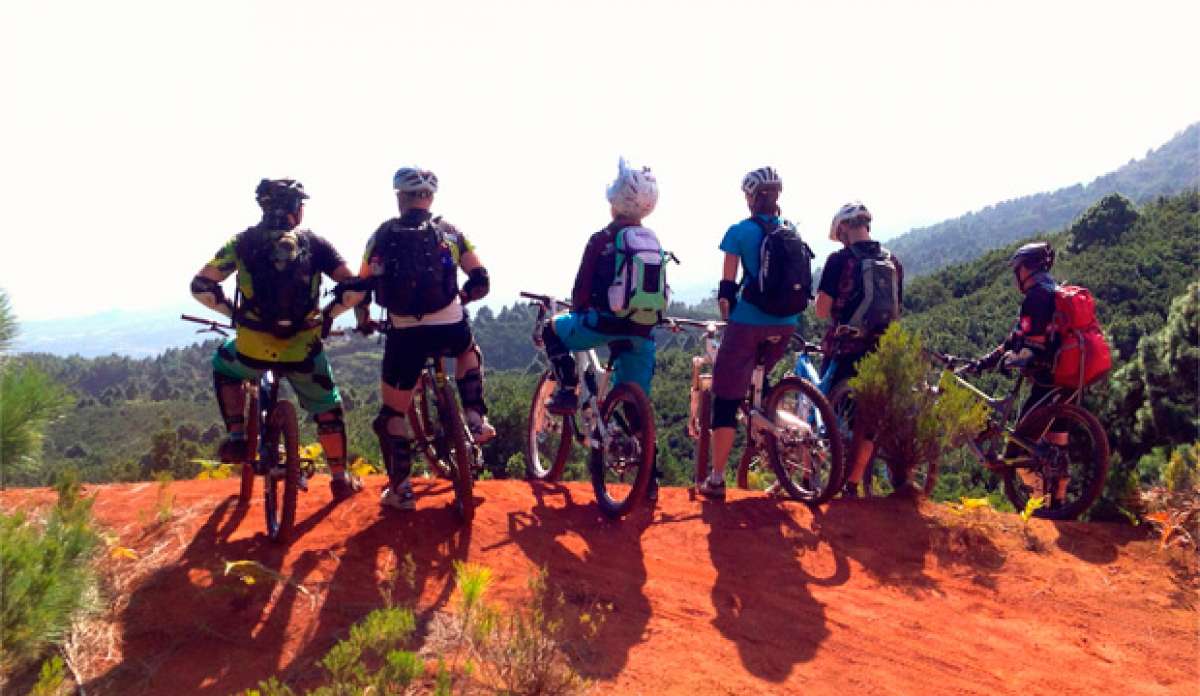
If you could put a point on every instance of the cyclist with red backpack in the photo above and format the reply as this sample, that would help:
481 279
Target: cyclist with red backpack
413 261
620 294
761 310
279 324
861 292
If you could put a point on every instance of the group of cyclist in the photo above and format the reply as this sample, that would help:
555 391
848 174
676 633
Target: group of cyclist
411 266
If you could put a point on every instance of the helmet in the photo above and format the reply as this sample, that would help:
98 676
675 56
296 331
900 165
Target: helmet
1037 256
415 180
762 179
851 211
634 192
280 195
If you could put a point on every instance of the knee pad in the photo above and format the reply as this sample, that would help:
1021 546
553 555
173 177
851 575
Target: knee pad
725 412
470 390
230 413
396 449
555 347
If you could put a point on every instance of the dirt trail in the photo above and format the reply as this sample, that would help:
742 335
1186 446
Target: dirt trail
753 596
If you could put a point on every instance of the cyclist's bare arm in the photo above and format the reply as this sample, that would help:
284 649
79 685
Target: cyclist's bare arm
206 288
729 269
348 298
824 306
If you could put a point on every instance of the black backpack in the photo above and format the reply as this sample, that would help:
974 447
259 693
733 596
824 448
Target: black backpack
783 285
877 289
284 296
418 273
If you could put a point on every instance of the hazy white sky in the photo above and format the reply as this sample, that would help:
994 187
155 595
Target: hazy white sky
132 133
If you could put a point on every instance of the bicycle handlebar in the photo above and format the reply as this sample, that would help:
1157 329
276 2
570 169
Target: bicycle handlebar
218 327
673 323
804 346
546 300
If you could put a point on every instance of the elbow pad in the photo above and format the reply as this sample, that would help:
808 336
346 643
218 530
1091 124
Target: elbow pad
362 285
728 290
208 292
477 285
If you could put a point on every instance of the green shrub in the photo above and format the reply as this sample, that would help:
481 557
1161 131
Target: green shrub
45 571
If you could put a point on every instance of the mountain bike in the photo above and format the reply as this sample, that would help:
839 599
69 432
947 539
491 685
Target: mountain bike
273 441
1058 451
441 432
794 429
615 425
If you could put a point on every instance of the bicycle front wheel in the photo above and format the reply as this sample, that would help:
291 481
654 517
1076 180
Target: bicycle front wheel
806 451
462 453
1065 465
282 476
621 468
420 419
548 436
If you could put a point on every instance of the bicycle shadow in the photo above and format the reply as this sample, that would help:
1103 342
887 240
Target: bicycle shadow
892 539
373 571
595 563
1095 542
201 625
761 594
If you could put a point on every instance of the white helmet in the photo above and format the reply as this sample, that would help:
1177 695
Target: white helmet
634 192
761 179
851 211
414 180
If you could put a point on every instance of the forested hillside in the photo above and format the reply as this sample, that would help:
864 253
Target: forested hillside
134 417
1171 168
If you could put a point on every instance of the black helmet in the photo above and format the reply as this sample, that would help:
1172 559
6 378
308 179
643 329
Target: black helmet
1036 256
280 195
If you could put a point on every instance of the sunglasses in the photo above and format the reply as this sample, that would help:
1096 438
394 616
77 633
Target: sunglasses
858 222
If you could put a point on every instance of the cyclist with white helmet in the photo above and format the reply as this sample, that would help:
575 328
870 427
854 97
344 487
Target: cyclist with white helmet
414 261
593 322
860 293
279 324
755 328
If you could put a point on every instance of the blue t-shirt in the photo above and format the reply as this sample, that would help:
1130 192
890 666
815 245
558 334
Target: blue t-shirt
744 240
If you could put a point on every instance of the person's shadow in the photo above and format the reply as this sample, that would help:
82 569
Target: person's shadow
761 594
604 578
196 622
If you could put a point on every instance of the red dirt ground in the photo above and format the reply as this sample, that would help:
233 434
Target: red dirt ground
753 596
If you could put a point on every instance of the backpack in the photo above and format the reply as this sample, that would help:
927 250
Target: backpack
878 291
638 290
284 295
1083 354
783 285
417 274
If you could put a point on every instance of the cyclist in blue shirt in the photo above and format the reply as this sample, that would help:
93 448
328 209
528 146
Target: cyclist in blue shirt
750 331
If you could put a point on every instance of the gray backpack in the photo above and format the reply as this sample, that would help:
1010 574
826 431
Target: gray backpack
879 286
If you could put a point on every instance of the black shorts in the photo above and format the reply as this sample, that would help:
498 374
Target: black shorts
406 350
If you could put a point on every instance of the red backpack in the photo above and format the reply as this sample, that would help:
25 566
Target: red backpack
1083 354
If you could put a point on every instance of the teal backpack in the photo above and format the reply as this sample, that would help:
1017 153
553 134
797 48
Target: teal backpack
639 289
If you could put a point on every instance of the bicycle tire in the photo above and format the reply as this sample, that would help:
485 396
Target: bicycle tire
246 489
420 419
1093 463
829 451
625 433
462 453
547 447
282 428
704 439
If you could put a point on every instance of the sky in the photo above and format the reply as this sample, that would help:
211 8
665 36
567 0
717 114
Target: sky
132 134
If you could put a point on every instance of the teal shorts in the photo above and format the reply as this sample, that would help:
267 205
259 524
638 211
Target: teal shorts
577 330
314 388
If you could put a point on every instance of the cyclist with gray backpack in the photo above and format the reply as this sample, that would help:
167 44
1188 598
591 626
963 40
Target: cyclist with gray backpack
413 262
619 296
861 292
761 310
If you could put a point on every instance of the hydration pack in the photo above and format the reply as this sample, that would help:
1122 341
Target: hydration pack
285 282
414 268
879 290
783 285
1083 354
638 290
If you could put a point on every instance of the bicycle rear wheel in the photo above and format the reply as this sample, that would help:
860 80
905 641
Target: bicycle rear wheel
1068 476
704 438
621 469
252 420
281 478
548 437
462 452
807 453
420 419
